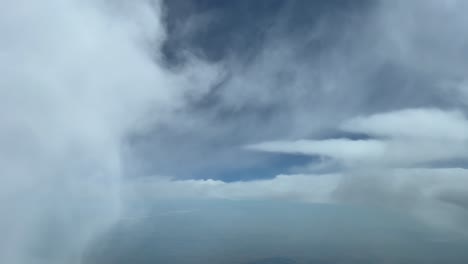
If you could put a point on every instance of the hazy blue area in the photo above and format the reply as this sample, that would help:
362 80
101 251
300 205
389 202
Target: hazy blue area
273 233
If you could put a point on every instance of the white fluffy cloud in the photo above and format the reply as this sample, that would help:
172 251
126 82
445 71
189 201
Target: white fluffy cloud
413 124
402 138
342 149
77 77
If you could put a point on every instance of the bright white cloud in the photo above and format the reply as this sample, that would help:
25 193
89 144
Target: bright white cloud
402 138
342 149
77 77
413 124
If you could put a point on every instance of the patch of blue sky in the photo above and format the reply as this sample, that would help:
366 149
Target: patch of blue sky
273 165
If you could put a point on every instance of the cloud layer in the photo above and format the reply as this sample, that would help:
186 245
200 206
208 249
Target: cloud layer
400 169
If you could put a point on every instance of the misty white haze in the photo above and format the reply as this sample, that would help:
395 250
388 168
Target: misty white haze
84 84
77 76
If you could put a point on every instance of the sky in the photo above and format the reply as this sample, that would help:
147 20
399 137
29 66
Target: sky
244 132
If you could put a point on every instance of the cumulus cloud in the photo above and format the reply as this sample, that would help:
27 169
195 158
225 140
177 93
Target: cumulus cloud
403 172
77 78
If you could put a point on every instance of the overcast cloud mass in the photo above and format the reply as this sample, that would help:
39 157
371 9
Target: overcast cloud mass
247 132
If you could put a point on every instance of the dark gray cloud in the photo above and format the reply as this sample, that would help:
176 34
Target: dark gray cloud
296 69
266 87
